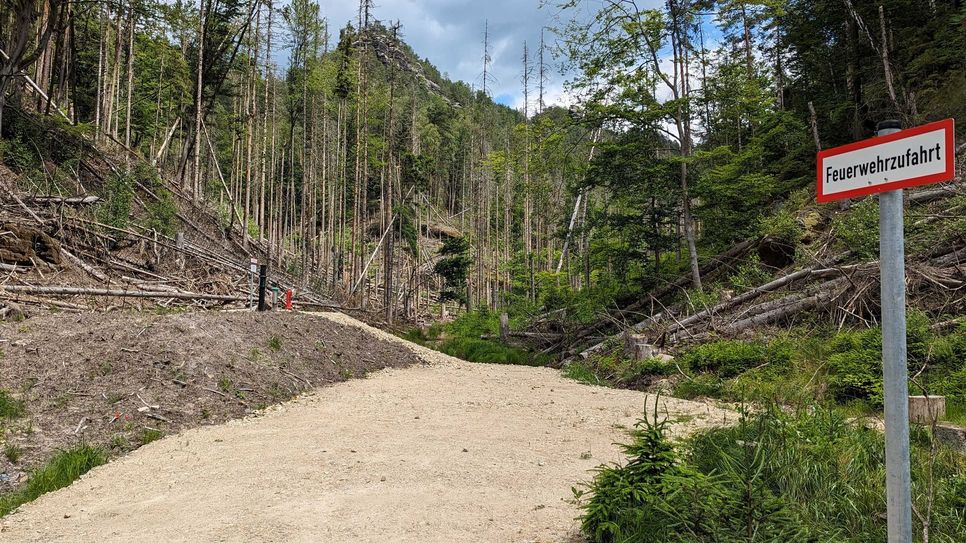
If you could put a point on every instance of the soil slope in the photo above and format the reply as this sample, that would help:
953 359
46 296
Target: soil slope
441 452
105 378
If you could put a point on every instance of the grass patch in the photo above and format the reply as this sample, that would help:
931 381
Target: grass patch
12 452
422 336
274 344
836 368
956 414
63 469
584 371
615 370
151 434
461 338
730 358
10 408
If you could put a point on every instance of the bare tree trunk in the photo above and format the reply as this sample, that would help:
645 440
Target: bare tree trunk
130 81
580 196
199 103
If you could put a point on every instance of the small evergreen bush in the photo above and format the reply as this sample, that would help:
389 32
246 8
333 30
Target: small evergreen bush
727 359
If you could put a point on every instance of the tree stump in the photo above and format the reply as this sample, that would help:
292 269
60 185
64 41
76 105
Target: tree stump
636 346
926 409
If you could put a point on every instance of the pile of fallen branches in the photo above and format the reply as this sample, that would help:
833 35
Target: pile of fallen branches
204 265
110 262
843 291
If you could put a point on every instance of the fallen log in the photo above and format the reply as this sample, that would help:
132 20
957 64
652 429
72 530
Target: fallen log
12 268
778 310
735 301
51 303
71 201
952 258
756 292
76 291
926 196
93 272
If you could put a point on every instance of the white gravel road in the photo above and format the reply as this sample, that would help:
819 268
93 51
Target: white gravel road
448 451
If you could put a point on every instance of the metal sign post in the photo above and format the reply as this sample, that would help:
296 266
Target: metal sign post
884 165
895 374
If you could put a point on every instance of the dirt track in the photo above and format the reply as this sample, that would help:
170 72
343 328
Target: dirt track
442 452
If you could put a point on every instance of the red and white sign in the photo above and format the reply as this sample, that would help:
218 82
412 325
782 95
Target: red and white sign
908 158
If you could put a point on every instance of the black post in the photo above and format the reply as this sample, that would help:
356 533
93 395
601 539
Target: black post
262 284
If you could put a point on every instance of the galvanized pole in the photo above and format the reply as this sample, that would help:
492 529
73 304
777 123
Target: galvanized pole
895 374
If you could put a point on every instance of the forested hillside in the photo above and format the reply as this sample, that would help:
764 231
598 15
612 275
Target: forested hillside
343 158
337 152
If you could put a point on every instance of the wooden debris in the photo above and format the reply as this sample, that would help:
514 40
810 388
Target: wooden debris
75 291
60 200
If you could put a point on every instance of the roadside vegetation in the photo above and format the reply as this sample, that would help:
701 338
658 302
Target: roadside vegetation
63 469
803 475
805 462
797 368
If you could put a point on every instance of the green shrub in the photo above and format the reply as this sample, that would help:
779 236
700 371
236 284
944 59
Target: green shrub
423 336
855 362
615 370
17 155
631 498
116 209
414 335
474 324
700 300
858 230
63 469
699 386
749 274
730 358
783 226
636 371
856 374
454 267
162 213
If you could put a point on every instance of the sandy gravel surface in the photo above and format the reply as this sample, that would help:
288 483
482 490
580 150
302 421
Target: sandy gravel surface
446 451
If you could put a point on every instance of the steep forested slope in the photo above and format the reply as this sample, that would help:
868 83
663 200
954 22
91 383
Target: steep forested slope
345 163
